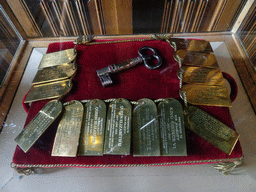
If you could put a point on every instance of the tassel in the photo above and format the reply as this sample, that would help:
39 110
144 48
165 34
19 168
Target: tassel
227 167
23 171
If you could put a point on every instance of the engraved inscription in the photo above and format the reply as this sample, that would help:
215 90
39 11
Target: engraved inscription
68 132
211 129
48 91
92 134
207 95
202 75
31 133
146 129
57 58
117 137
54 73
172 129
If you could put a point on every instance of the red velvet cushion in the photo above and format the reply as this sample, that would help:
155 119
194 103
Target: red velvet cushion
133 85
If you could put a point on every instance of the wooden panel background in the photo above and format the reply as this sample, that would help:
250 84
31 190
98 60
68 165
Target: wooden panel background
53 18
247 35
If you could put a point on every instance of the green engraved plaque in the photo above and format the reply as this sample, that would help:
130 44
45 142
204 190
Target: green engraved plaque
37 126
55 73
210 129
146 141
118 128
51 90
68 132
57 58
93 129
172 131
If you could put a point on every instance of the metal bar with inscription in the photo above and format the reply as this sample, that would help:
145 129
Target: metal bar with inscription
37 126
118 128
146 141
192 44
93 129
210 129
198 94
55 73
68 132
201 75
58 58
51 90
172 130
197 58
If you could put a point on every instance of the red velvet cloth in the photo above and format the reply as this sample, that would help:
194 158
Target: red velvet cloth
133 85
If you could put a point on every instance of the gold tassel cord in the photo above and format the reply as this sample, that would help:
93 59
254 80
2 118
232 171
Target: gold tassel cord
227 167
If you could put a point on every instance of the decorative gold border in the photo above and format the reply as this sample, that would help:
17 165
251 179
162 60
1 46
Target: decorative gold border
13 165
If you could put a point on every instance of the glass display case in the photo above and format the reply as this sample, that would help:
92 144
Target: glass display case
52 20
29 29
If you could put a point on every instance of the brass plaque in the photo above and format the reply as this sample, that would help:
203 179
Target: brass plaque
55 73
51 90
192 45
197 58
93 129
201 75
172 130
198 94
37 126
118 128
146 141
58 58
210 129
68 132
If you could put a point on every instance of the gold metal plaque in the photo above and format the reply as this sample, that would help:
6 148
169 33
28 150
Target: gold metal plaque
198 94
58 58
37 126
118 128
210 129
172 130
51 90
93 129
192 45
55 73
68 132
199 45
201 75
197 58
146 140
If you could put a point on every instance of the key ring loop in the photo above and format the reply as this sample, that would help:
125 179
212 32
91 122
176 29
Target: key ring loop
147 57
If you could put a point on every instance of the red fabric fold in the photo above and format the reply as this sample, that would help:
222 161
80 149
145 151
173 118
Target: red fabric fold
133 84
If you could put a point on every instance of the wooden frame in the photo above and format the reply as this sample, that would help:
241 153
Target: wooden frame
235 49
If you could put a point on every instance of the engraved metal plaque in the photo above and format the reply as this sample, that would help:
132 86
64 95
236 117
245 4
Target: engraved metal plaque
172 130
201 75
48 90
118 128
93 129
198 94
197 58
210 129
37 126
146 141
58 58
68 132
55 73
192 45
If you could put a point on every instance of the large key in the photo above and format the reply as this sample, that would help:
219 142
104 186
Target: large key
147 55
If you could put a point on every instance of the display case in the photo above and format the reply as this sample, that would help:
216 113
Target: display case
31 29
